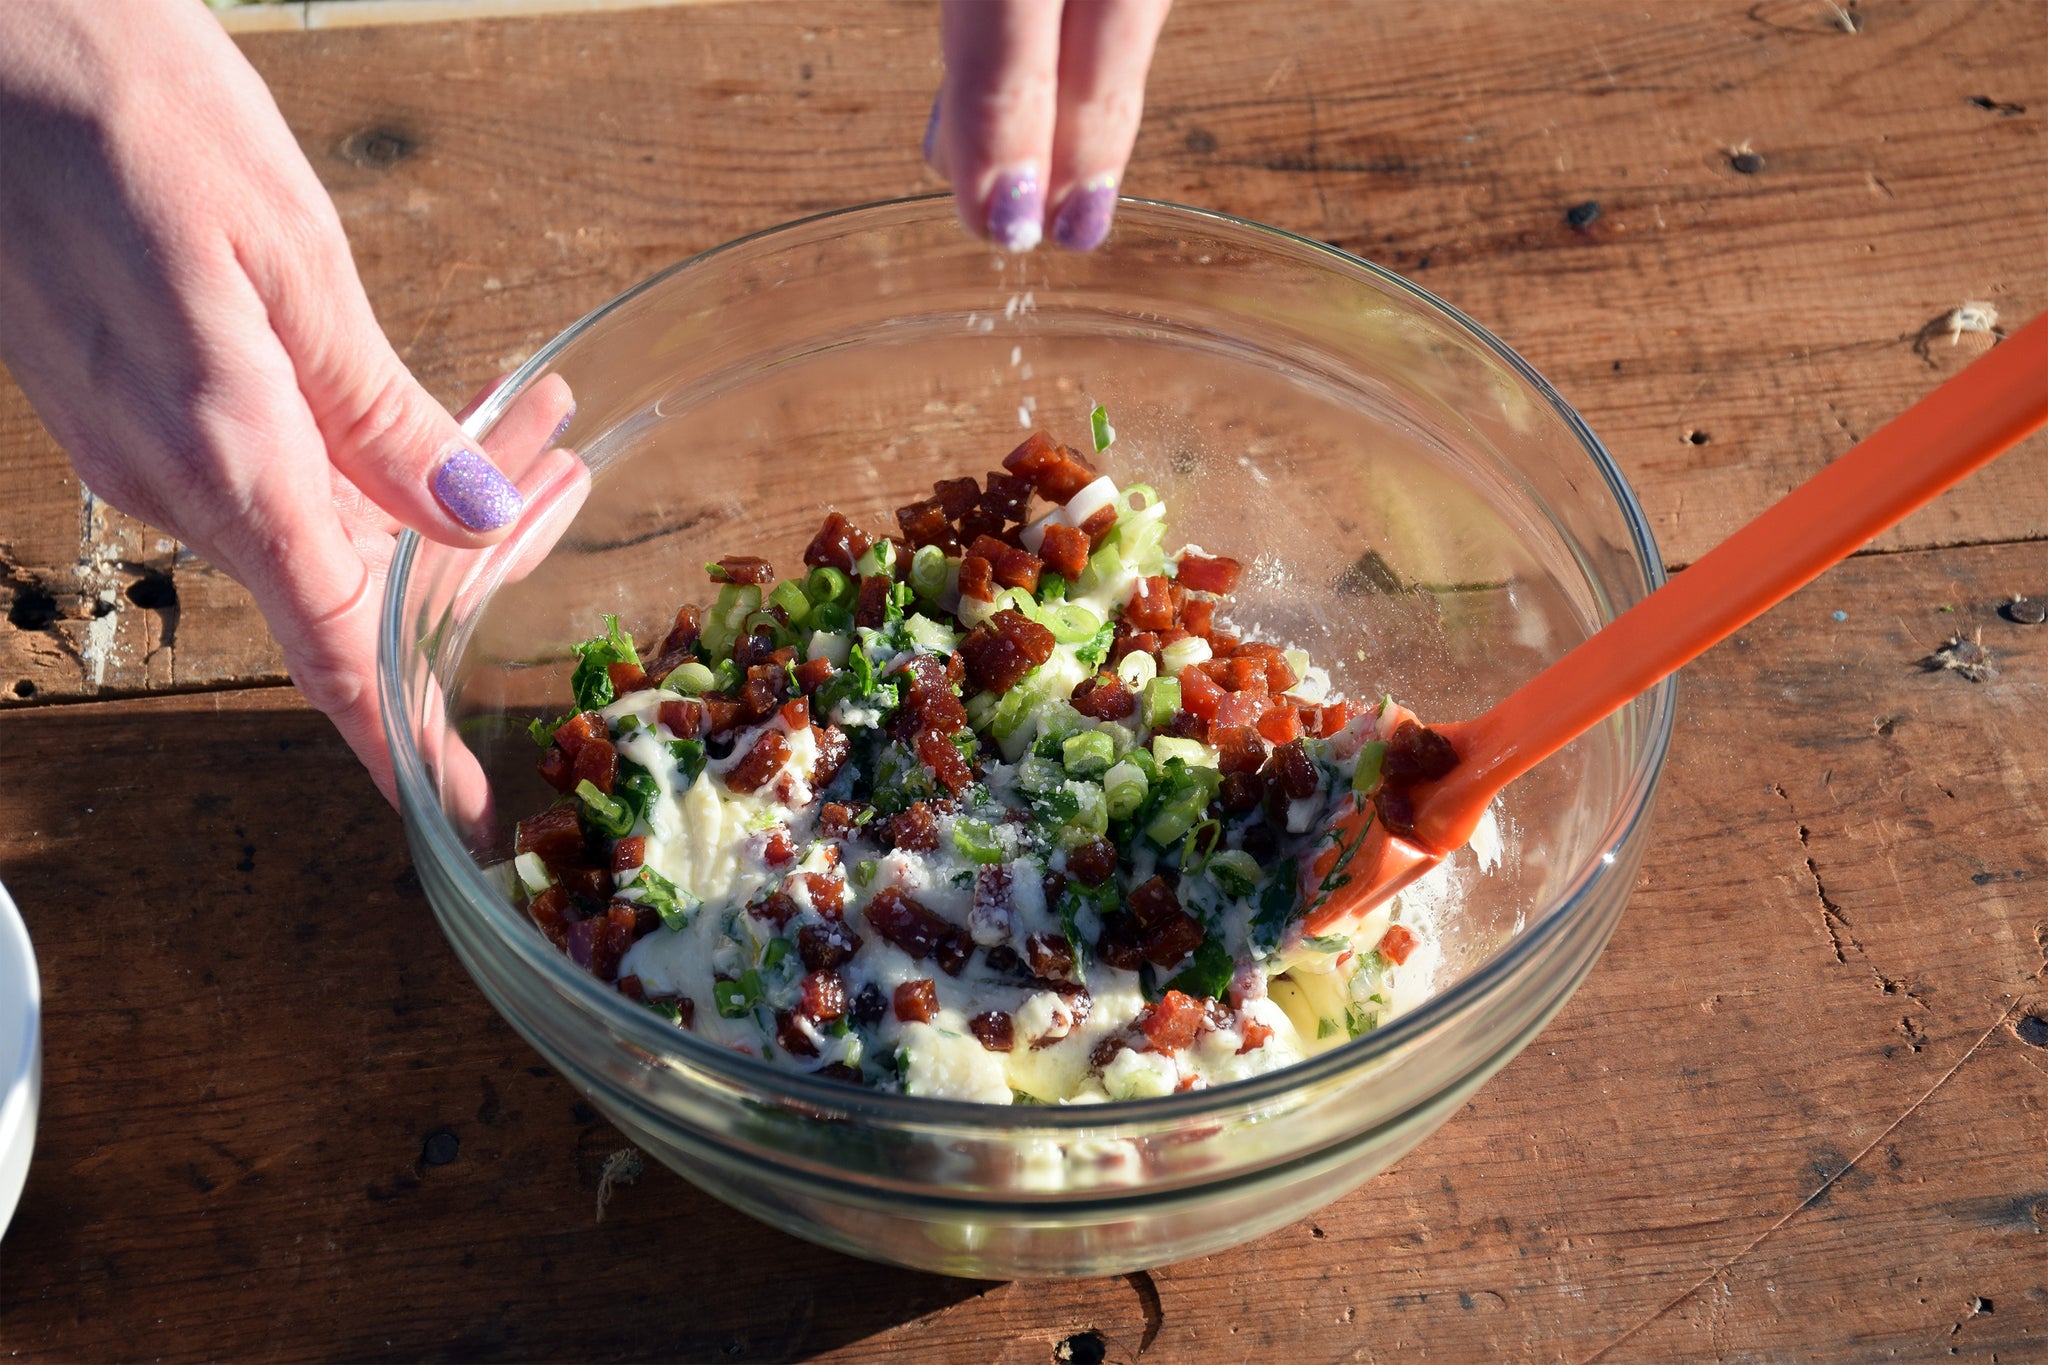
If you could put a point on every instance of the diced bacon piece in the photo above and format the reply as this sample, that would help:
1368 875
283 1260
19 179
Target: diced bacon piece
1241 750
1222 643
1011 567
1091 863
871 609
822 946
832 751
838 545
1238 674
936 750
629 853
956 497
721 713
557 768
1166 943
1241 791
796 714
621 927
1238 708
1038 453
1142 642
1199 694
989 918
827 891
626 677
745 569
1060 481
778 849
1151 604
1281 723
1050 956
550 911
1173 1023
926 523
761 763
915 830
822 996
791 1037
1255 1035
682 636
1119 943
1002 649
1096 525
1292 773
586 883
995 1030
1152 901
917 931
1326 720
582 939
1396 944
1065 551
1395 807
978 523
597 764
684 718
813 674
1198 616
776 908
838 820
917 1001
1204 574
977 579
585 727
1006 496
1279 673
1415 754
1103 697
762 693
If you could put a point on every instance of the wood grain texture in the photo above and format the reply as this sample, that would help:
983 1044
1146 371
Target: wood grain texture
1786 210
1797 1110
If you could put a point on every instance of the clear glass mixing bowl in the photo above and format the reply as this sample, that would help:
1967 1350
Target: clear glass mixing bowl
1422 512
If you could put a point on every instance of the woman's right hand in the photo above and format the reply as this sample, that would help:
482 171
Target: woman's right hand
179 303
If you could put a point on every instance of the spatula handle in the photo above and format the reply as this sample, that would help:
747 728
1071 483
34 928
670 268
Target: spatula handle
1966 423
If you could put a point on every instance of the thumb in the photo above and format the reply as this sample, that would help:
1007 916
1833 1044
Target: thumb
381 428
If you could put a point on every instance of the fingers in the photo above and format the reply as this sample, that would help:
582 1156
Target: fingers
1105 51
996 113
381 429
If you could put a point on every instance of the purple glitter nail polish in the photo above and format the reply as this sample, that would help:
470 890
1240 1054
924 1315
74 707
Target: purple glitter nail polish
1083 220
475 493
1016 210
931 131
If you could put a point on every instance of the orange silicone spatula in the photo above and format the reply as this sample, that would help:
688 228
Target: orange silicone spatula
1966 423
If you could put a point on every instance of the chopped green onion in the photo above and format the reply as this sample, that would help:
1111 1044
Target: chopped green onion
723 622
666 899
864 873
1162 701
928 572
764 619
977 842
1051 587
726 676
1124 787
1235 870
981 709
533 873
1097 649
1183 654
777 949
608 815
1088 753
1105 566
736 999
1104 433
827 584
829 646
689 679
833 617
1200 845
930 635
1365 778
879 558
1297 662
1192 752
790 597
627 725
1136 669
1038 775
1177 816
1091 820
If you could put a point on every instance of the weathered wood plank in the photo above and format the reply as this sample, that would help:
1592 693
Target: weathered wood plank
1726 326
1793 1112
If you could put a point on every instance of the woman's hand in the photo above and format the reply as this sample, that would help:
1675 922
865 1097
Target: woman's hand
1040 106
179 303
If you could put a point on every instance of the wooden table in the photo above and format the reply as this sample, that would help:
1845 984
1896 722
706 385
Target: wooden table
1801 1107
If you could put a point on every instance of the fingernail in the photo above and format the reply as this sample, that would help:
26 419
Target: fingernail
931 132
1016 210
475 493
562 429
1083 219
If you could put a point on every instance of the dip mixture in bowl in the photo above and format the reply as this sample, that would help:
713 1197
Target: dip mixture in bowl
1017 996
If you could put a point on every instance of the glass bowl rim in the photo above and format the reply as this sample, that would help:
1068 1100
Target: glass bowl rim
502 921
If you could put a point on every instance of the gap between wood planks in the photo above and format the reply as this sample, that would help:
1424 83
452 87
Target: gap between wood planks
304 16
2004 1017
